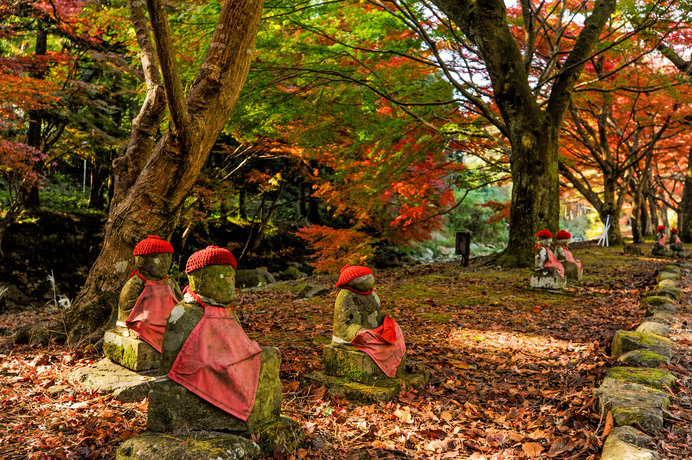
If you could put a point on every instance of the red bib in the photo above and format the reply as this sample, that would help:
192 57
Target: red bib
570 258
219 363
149 316
384 344
552 261
662 240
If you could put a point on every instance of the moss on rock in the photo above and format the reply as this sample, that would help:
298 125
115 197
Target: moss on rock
650 377
644 358
624 341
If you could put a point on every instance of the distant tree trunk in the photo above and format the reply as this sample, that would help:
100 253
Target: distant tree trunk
242 206
685 224
98 184
29 194
152 181
653 212
644 218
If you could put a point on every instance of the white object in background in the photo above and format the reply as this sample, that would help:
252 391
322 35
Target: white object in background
603 239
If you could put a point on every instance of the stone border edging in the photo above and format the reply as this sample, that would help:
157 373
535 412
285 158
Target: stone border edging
633 392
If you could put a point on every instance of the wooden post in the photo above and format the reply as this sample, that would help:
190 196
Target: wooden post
463 247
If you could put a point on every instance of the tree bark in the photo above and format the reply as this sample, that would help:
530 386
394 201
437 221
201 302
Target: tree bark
154 184
685 224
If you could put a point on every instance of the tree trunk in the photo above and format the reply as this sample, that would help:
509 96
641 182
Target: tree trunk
29 194
653 213
535 189
685 224
153 185
635 218
98 182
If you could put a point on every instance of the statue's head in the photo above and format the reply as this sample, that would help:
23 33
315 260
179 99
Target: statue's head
211 273
356 278
673 231
153 257
661 229
545 237
563 237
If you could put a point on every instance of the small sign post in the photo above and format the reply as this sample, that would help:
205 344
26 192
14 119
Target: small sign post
463 247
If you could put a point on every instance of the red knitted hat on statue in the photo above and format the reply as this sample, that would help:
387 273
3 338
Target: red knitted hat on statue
673 230
660 228
351 272
152 244
563 235
545 233
212 255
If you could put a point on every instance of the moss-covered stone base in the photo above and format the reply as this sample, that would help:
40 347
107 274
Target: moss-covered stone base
349 362
547 279
667 284
655 300
284 432
379 391
174 409
654 327
631 403
129 351
643 358
673 293
624 341
156 446
669 308
666 275
105 376
650 377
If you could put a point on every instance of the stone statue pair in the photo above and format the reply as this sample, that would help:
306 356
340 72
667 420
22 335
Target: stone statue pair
674 247
554 269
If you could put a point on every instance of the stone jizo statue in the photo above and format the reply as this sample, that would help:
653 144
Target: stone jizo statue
360 329
573 267
549 272
660 248
145 302
220 379
675 244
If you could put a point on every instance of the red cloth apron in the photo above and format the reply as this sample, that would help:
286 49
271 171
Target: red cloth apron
570 258
675 239
384 344
552 260
149 316
662 240
219 363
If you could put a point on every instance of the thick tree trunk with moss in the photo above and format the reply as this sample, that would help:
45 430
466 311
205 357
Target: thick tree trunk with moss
531 129
152 180
685 218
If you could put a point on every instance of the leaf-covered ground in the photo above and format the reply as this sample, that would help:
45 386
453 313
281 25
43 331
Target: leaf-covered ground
512 370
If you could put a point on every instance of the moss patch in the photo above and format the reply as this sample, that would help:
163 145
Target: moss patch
650 377
439 318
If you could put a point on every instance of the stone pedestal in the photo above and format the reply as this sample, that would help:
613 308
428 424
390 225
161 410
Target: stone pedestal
661 251
572 271
174 409
547 278
105 376
124 348
349 362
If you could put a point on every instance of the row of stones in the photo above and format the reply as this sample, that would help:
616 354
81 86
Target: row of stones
634 392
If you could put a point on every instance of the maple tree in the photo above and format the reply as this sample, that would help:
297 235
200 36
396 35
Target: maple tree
617 131
154 176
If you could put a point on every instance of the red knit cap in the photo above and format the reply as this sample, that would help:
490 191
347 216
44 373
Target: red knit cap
351 272
660 228
545 233
673 230
212 255
563 235
152 244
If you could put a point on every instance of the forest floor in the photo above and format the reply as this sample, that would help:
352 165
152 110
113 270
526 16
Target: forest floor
512 370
